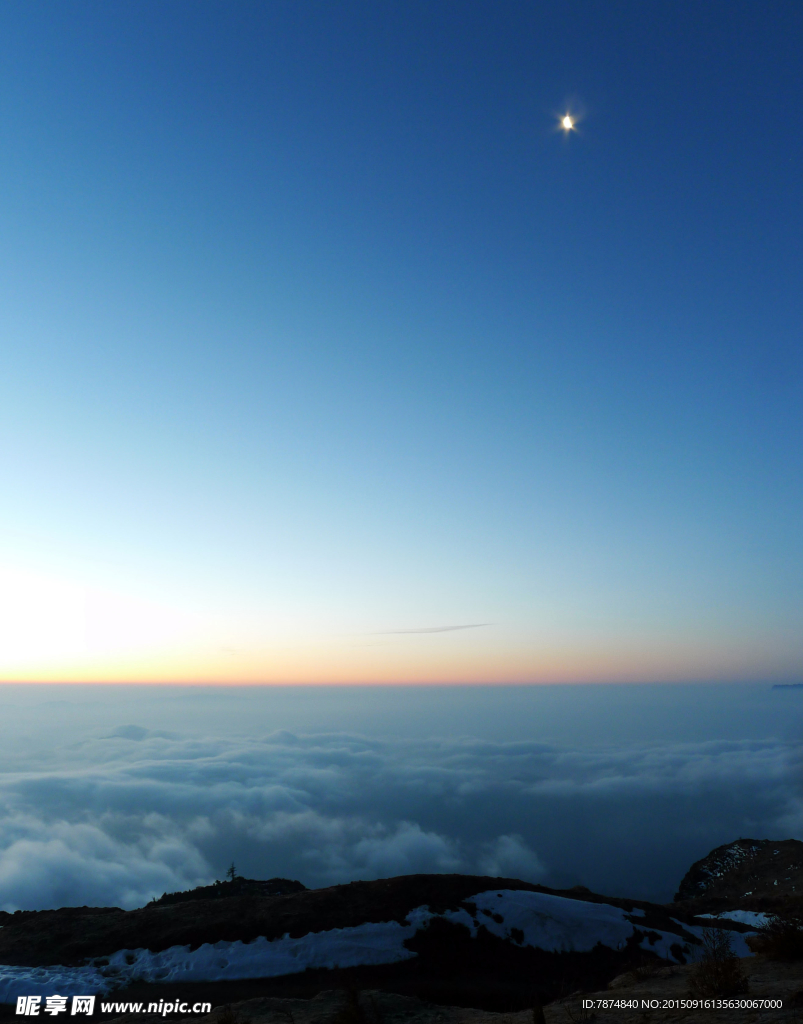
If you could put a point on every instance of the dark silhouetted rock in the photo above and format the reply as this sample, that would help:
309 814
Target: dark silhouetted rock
751 874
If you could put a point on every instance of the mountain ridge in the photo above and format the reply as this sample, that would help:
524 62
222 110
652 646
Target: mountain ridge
27 937
471 940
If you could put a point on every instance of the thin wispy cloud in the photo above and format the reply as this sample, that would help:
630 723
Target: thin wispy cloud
430 629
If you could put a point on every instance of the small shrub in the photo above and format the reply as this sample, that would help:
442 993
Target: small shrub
718 972
229 1015
782 937
359 1011
648 970
580 1015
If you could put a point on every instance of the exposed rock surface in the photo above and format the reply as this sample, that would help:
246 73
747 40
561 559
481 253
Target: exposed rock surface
766 980
346 1007
751 874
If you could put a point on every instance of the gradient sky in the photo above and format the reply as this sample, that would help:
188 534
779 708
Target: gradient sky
318 336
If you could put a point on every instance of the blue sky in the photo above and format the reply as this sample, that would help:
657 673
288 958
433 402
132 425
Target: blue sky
316 329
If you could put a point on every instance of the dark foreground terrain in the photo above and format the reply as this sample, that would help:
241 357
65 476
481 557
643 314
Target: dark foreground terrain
665 986
450 969
72 934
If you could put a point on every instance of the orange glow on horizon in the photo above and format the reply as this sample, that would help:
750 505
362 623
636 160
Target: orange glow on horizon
404 668
57 631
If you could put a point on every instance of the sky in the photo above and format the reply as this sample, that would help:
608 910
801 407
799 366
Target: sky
320 339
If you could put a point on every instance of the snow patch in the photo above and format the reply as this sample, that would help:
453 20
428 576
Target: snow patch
364 945
752 917
559 924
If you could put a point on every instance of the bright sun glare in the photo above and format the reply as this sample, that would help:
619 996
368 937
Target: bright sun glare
568 123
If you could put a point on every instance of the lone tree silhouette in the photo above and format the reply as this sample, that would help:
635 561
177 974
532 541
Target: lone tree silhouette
232 872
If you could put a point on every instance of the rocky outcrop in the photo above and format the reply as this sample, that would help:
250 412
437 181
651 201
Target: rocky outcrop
750 874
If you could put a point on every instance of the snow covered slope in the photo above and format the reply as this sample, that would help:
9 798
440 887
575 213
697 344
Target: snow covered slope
524 918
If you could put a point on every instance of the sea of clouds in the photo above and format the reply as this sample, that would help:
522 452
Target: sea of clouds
98 815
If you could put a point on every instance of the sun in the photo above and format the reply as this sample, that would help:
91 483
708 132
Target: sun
567 122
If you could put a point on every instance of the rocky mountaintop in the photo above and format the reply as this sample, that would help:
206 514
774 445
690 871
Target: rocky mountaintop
751 874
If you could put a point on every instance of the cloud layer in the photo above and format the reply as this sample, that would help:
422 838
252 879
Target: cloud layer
119 817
